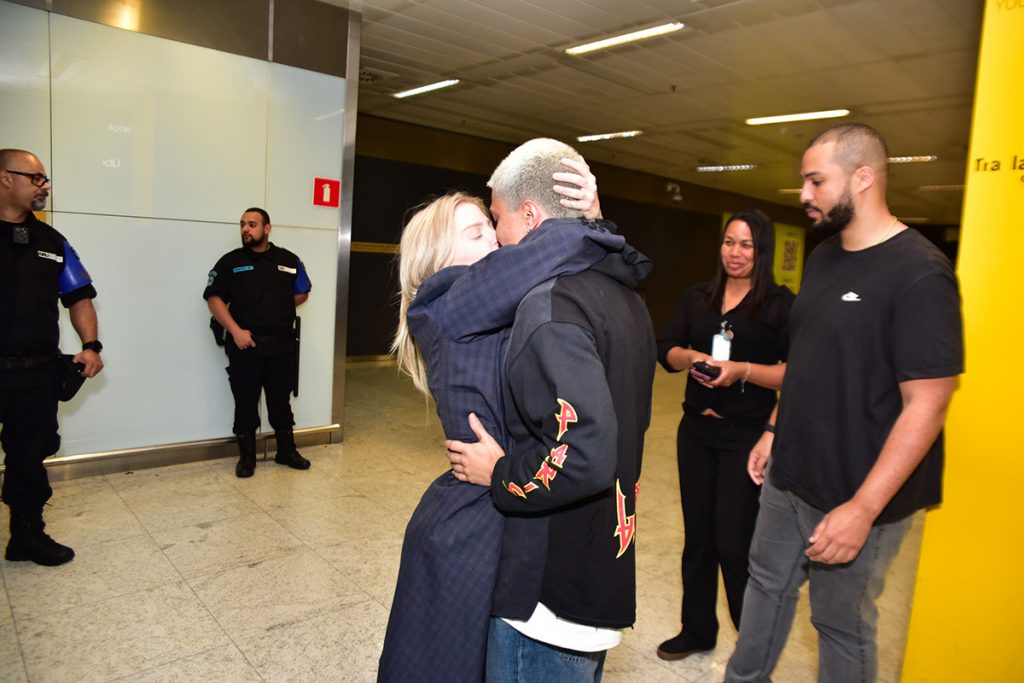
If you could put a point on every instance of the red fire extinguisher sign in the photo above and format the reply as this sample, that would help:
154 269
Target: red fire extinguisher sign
326 192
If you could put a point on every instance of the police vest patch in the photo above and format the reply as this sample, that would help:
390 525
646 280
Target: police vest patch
52 257
286 269
211 278
241 269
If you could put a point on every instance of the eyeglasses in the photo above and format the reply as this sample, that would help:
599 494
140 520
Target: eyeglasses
37 179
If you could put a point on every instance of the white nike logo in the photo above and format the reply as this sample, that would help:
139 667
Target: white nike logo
850 296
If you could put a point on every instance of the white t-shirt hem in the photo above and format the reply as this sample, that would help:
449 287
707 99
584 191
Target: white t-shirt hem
545 626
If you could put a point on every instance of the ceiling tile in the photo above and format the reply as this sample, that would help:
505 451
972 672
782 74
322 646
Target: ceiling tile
905 66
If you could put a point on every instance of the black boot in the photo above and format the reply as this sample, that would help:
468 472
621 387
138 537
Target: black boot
30 542
246 455
286 453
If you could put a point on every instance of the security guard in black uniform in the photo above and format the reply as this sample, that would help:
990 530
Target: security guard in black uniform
37 266
253 292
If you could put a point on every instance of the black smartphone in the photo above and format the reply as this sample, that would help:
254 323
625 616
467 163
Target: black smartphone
703 368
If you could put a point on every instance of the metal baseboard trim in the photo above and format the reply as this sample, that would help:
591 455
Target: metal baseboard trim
380 359
63 468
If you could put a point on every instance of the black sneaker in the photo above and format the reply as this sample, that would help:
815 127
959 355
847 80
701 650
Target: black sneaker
681 647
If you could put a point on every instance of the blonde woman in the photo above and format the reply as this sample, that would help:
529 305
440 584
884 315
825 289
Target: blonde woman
459 293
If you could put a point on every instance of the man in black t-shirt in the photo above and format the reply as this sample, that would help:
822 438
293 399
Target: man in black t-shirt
253 292
876 345
37 267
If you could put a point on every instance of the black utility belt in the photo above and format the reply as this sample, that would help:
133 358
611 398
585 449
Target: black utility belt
27 362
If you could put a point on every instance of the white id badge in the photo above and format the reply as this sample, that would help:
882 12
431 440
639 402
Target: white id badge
721 343
720 347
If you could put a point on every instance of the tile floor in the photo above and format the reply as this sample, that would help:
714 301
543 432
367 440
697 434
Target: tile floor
187 573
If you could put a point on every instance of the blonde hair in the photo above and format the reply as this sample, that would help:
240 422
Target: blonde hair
526 174
428 241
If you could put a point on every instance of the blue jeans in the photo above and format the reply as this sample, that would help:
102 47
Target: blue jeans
515 658
842 596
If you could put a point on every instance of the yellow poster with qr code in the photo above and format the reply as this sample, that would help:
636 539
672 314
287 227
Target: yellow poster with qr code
789 255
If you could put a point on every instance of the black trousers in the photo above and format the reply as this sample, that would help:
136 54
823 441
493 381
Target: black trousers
720 505
28 413
250 374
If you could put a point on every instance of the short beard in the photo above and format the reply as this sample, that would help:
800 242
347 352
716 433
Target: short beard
255 244
39 203
838 217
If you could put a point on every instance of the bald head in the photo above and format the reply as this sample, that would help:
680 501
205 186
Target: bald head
856 145
10 156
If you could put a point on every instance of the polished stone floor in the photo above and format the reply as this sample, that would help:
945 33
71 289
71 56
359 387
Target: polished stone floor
186 573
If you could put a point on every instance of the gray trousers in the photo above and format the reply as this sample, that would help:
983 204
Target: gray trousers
842 596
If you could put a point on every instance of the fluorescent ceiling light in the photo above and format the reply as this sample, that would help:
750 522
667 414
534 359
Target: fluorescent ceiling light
609 136
941 188
426 88
625 38
719 169
806 116
911 160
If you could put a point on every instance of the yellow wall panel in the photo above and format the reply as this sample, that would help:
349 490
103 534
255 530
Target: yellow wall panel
969 604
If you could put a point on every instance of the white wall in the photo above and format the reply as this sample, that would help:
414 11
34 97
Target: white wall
157 148
24 79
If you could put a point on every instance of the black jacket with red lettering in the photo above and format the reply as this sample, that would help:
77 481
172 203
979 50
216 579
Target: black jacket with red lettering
578 377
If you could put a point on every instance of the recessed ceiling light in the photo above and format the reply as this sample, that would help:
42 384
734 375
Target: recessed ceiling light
806 116
126 17
911 160
426 88
941 188
790 190
719 169
609 136
625 38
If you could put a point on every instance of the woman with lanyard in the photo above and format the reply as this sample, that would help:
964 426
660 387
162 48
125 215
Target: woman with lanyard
731 335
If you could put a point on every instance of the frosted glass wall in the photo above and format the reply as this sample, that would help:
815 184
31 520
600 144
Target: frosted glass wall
157 148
